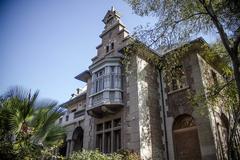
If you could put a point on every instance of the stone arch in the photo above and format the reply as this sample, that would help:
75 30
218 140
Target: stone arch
185 138
77 139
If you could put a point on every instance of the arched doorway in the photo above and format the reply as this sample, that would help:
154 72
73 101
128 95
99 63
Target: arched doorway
185 138
77 139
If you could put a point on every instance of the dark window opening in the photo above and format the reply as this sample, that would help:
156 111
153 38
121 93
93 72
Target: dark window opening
107 143
107 49
67 117
74 110
108 125
117 122
116 140
99 142
112 45
100 127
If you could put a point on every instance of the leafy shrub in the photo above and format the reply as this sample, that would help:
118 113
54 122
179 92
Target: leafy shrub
97 155
94 155
129 155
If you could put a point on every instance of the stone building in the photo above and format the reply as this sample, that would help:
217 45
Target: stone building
138 110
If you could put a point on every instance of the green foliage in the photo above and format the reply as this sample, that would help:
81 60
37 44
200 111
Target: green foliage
177 20
96 155
28 128
129 155
221 99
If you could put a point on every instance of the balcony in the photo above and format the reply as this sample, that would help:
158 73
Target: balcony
106 102
73 117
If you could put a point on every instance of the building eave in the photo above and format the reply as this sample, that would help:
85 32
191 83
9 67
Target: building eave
84 76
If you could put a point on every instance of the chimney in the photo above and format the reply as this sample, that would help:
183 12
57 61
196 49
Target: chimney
78 90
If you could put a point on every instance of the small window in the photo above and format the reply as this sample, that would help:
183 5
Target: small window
98 81
117 122
108 125
67 117
112 45
107 49
74 110
179 81
100 127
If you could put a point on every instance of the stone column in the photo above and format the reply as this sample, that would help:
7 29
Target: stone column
68 148
71 147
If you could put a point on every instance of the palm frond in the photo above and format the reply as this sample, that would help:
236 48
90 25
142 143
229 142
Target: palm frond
54 135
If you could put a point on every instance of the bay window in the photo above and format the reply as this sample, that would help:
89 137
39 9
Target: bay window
107 78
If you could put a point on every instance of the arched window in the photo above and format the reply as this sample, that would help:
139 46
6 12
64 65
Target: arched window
183 121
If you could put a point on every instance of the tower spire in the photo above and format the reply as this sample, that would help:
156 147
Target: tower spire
113 9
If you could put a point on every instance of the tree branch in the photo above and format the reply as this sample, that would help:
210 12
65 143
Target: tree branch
193 15
223 35
216 92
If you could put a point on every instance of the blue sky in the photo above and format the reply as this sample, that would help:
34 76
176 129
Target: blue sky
44 44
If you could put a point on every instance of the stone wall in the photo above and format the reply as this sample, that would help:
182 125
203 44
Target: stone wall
216 123
131 113
88 139
177 103
145 108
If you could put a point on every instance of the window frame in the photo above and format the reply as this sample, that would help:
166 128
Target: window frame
114 132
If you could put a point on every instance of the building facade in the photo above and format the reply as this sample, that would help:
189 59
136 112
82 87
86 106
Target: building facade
134 108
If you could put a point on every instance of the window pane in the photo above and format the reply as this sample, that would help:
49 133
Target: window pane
112 69
100 127
112 81
99 142
108 125
107 145
117 122
117 140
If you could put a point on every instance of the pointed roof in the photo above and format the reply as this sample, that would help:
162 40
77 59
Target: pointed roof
111 14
